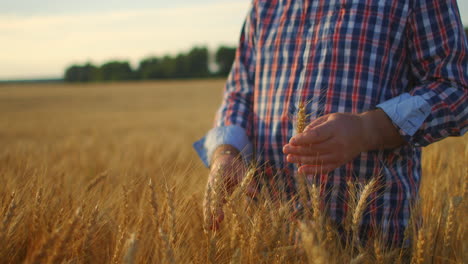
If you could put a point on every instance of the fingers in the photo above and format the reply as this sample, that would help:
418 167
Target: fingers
317 122
312 160
228 173
223 178
313 135
309 150
314 169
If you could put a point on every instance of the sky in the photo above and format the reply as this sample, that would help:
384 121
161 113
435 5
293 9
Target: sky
40 38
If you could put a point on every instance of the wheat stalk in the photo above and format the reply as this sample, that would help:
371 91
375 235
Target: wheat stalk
378 252
361 206
122 227
89 231
38 256
59 250
37 209
172 215
167 245
312 243
132 246
212 249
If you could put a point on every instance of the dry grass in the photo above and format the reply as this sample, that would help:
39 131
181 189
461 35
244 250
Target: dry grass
105 173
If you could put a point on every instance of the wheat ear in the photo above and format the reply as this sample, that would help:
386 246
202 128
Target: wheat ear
314 192
418 256
449 225
361 206
302 183
301 117
98 179
37 210
8 216
153 202
208 210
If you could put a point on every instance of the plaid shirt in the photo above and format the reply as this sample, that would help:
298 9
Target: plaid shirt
407 57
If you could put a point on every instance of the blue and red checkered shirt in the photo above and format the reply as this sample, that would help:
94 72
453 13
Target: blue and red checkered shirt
407 57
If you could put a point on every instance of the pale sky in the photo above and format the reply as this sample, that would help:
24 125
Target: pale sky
40 38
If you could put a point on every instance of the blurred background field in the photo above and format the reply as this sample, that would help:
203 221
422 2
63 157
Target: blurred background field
117 126
69 146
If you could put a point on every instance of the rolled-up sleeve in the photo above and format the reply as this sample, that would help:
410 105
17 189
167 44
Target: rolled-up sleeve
224 135
436 107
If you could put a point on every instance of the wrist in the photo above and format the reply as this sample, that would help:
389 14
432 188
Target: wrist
378 131
223 152
369 134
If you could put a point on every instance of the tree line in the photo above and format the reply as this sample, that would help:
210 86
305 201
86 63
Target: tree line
191 64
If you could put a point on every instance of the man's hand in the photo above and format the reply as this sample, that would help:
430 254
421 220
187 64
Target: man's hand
226 171
335 139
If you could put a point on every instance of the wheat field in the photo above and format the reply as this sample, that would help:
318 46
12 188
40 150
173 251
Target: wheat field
105 173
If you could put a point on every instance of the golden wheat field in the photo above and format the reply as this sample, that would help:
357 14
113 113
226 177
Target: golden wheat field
105 173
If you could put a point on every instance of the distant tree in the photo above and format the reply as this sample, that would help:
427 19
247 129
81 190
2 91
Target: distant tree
150 68
72 73
198 62
224 58
182 67
167 67
116 71
85 73
193 64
